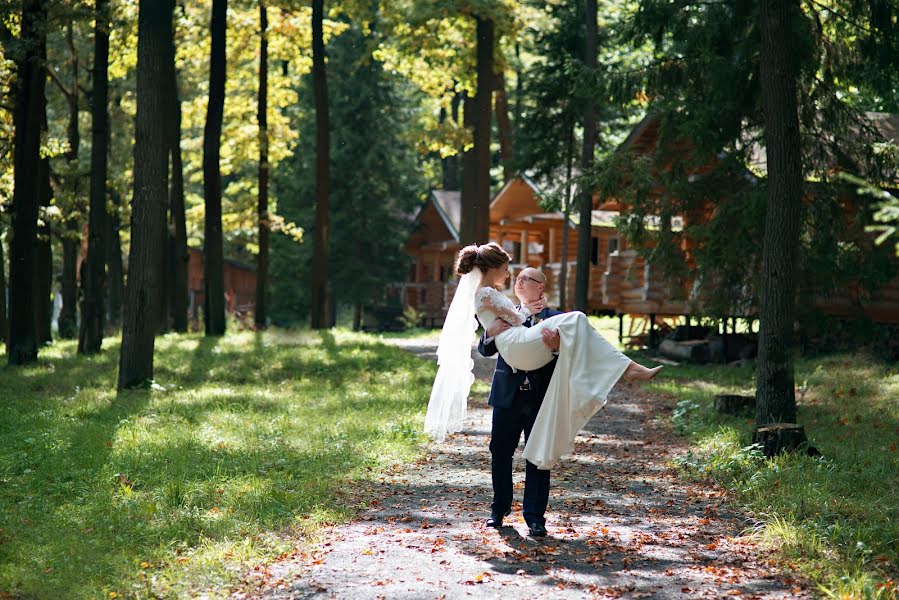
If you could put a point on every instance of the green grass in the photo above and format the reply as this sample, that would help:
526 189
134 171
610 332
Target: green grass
834 520
242 443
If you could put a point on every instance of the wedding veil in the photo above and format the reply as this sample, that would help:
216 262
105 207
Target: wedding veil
449 396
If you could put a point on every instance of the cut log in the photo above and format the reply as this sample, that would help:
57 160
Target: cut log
693 351
779 438
732 404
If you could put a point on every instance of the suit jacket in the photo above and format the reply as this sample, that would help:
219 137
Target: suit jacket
506 382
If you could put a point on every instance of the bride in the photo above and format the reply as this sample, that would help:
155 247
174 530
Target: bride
587 368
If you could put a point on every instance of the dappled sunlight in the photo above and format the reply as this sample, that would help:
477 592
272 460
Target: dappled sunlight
830 514
237 436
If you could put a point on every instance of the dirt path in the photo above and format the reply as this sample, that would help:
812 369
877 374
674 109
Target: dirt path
620 525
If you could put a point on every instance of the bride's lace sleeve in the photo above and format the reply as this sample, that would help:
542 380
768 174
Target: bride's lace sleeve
502 307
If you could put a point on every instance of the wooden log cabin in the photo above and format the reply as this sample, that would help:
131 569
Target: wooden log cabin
632 286
240 286
433 246
532 236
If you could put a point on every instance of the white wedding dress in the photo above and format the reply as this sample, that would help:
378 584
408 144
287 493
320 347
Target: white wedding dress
587 368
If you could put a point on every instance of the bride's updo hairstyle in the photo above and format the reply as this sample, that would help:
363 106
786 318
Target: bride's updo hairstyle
484 256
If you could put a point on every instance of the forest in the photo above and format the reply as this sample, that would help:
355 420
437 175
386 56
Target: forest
198 197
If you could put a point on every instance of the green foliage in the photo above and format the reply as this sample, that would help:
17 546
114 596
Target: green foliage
411 318
555 90
376 181
830 518
176 490
705 96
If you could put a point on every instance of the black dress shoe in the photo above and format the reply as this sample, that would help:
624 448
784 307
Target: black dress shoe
537 529
496 519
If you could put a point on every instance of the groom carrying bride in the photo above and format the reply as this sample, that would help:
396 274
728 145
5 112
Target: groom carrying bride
516 397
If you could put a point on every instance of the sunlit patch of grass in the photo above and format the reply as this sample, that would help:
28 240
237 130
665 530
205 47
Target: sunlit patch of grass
835 519
175 490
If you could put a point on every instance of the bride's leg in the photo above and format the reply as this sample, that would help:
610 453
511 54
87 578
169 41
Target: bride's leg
637 372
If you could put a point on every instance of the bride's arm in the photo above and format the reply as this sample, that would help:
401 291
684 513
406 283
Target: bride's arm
503 308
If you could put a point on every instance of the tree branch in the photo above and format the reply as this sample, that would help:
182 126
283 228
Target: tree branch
59 84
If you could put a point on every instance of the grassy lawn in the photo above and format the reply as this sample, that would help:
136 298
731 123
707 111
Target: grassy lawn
177 489
835 520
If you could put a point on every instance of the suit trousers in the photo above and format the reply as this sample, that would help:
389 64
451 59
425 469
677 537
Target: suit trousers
505 435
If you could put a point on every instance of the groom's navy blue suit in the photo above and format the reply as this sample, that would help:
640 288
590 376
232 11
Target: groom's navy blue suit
514 411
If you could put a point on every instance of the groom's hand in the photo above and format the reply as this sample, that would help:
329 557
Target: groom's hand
535 306
551 338
497 327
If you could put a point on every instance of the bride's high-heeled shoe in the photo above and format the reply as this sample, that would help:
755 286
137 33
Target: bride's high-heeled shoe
637 372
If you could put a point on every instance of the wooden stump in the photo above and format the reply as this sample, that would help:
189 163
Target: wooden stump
778 438
731 404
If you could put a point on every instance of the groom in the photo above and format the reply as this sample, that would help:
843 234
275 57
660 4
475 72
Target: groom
516 398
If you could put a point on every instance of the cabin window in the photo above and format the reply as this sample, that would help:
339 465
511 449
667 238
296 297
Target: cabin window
515 252
613 245
443 273
413 271
594 251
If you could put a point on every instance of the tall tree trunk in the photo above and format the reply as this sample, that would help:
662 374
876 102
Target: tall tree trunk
519 88
213 251
150 182
71 234
115 276
469 179
776 401
178 252
483 101
357 316
90 336
566 212
68 315
319 292
27 118
585 233
504 128
261 312
43 271
4 322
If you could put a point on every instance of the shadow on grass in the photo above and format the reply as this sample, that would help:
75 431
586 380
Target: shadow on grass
245 441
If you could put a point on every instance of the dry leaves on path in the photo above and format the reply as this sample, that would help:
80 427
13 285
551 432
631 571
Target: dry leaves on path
621 525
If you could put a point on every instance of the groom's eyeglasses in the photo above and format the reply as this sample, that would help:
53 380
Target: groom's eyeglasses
522 279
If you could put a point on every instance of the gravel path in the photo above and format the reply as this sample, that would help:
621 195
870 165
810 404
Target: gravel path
620 525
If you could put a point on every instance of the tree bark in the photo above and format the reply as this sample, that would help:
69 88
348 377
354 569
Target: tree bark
150 183
178 252
566 213
90 336
469 179
68 314
4 322
319 292
504 128
774 379
213 251
585 233
261 312
483 101
43 271
357 316
115 276
70 234
27 118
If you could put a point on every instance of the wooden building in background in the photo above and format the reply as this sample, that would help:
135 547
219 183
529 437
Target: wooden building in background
621 281
433 246
240 285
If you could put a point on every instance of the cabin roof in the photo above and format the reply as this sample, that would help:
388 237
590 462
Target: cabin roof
449 206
